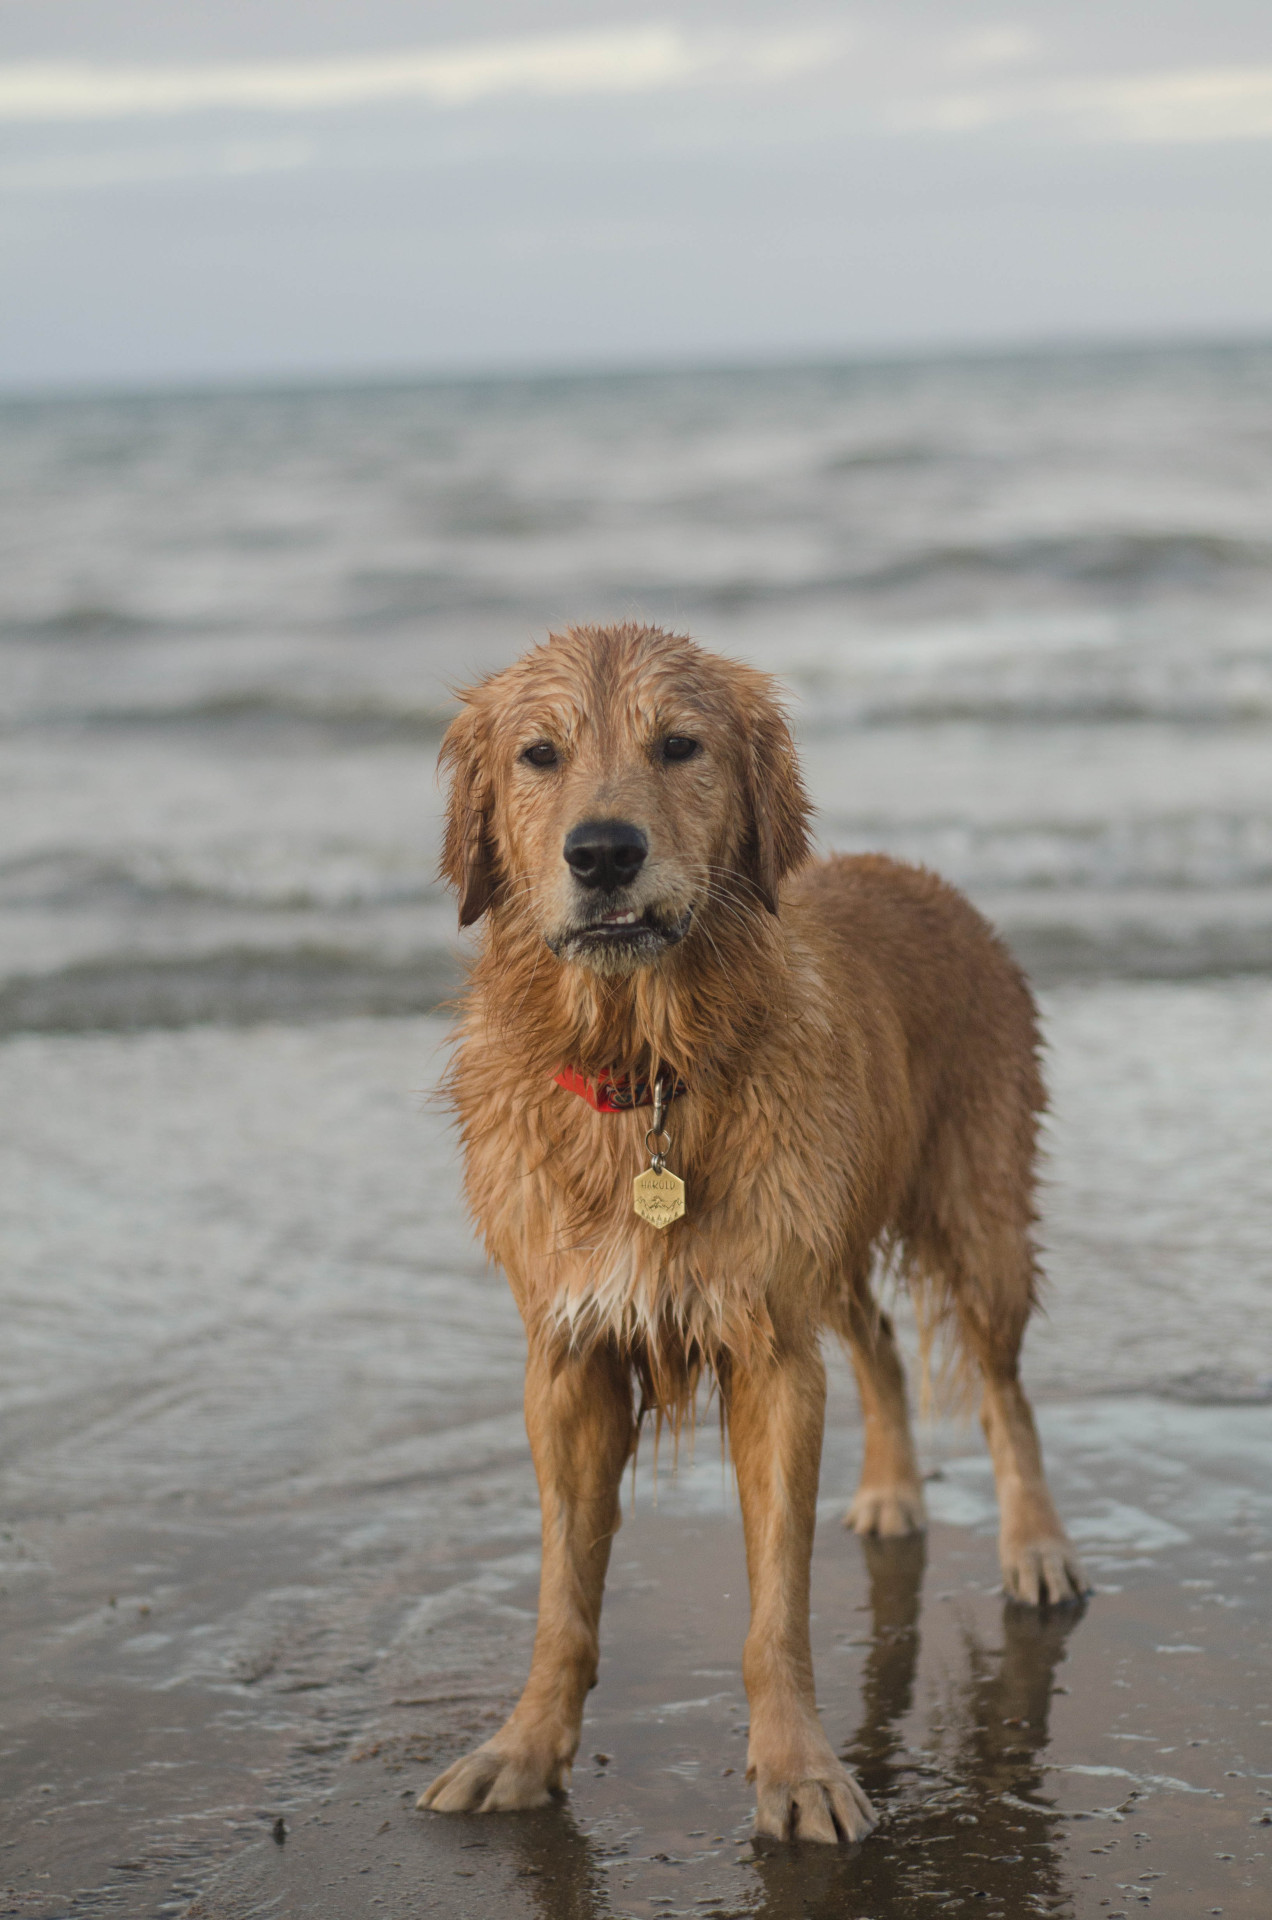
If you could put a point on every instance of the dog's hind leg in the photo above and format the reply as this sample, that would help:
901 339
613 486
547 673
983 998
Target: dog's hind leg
1038 1562
969 1230
993 1283
889 1497
582 1428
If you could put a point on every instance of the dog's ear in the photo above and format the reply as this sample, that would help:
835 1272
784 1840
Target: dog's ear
468 853
777 837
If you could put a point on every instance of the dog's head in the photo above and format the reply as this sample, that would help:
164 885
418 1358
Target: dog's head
619 786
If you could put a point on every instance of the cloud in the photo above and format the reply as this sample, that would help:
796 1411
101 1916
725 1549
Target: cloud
86 173
1216 103
635 60
1003 46
1183 107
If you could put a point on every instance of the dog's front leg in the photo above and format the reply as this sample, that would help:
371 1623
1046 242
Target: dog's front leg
579 1418
775 1411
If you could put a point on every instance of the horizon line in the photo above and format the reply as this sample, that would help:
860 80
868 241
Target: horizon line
211 385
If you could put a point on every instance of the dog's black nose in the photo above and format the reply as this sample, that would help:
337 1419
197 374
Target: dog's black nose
605 853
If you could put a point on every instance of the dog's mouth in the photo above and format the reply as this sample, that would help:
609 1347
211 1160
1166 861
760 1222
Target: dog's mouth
623 931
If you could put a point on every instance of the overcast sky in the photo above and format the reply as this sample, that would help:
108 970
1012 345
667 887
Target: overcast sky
227 189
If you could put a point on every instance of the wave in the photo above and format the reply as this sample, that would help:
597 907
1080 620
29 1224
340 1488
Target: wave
1057 938
1116 559
1046 694
1122 565
1218 1387
1186 705
1155 937
883 454
1095 563
265 709
389 596
234 986
90 620
1110 563
331 879
1197 853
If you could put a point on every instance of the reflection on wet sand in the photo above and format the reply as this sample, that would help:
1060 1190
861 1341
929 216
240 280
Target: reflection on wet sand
962 1814
887 1679
558 1866
965 1825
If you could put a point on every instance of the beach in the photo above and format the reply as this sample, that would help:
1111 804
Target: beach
269 1528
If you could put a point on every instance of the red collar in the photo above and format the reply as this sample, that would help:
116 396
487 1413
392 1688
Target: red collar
610 1094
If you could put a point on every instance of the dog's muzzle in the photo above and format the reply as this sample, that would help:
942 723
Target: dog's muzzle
621 935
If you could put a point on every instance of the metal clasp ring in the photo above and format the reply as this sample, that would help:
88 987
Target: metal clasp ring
658 1160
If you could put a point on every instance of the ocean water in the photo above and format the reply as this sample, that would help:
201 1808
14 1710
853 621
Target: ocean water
1023 607
259 1393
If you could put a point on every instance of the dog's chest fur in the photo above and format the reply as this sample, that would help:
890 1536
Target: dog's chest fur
768 1199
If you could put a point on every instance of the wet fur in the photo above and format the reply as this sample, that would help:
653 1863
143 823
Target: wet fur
862 1059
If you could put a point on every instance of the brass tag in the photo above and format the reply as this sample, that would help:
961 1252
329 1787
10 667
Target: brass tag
658 1197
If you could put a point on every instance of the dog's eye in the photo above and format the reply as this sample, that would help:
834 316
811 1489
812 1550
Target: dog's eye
541 754
678 746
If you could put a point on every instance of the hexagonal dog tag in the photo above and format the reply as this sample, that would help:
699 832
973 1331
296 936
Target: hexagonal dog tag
658 1197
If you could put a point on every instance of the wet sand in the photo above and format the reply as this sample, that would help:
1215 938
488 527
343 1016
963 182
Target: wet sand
270 1541
1097 1765
1089 1765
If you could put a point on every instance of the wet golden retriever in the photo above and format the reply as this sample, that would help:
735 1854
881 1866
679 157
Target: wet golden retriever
847 1058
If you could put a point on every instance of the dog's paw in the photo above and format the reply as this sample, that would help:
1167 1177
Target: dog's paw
1043 1573
496 1779
826 1804
887 1512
